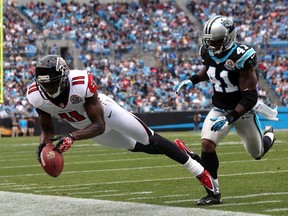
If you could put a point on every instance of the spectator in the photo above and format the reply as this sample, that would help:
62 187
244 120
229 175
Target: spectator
197 119
31 124
15 126
23 126
54 49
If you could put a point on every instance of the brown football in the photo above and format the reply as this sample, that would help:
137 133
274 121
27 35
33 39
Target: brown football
52 161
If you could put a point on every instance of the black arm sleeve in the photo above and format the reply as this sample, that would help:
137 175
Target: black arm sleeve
249 99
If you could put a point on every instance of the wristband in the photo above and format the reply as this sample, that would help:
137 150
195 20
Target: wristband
232 116
71 136
195 79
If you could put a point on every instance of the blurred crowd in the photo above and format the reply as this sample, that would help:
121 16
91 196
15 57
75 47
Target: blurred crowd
101 30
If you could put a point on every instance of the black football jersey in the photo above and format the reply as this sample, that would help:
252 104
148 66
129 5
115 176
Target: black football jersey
224 73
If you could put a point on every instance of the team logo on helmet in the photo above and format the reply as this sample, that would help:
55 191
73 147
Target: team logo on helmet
75 99
61 65
228 24
229 64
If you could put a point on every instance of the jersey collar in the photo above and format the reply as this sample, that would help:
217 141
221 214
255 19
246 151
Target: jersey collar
224 58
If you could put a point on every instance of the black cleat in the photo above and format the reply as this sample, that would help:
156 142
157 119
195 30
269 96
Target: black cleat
208 200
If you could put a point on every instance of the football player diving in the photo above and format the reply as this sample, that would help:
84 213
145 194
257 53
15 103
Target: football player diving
232 69
71 95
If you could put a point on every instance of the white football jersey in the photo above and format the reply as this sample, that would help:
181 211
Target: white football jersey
122 128
82 85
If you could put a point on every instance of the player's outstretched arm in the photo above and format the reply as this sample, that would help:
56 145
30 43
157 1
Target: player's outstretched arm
47 130
95 113
46 126
194 79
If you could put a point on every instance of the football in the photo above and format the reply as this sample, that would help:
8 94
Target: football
52 161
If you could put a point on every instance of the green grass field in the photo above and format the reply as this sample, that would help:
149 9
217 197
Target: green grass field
95 172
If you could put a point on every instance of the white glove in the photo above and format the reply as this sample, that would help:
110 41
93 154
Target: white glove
219 123
179 85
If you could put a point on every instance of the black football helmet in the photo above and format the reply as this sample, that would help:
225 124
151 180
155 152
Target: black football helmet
51 75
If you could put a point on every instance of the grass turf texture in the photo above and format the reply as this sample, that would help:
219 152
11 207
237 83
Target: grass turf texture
96 172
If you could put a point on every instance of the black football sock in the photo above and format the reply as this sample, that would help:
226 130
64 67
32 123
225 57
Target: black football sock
267 143
168 148
149 149
210 162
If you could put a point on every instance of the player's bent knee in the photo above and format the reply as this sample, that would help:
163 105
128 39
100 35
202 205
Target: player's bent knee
208 145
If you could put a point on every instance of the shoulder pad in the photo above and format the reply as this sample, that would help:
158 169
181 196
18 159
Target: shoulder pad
78 82
247 57
82 83
33 95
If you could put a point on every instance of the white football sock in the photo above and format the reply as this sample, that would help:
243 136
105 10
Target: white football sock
194 167
270 135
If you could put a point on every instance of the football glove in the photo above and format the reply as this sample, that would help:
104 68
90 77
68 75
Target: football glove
219 123
179 85
64 142
39 149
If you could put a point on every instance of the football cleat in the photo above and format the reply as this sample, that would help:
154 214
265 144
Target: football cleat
184 148
269 129
209 184
268 132
208 200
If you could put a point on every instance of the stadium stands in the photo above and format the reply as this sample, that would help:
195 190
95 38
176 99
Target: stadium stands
104 32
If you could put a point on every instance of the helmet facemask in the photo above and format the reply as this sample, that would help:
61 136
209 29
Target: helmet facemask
51 76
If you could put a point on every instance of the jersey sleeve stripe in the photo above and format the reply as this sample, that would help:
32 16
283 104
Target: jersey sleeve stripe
78 78
32 88
78 82
247 55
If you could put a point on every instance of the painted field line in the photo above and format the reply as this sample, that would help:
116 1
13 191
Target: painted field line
124 194
93 192
133 159
24 187
165 196
71 154
249 203
97 145
63 189
36 144
145 180
39 205
231 197
277 210
77 152
189 200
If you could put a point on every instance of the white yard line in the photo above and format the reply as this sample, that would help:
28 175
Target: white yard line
140 168
18 204
277 210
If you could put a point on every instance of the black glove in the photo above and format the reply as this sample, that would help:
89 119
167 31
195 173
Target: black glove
39 149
